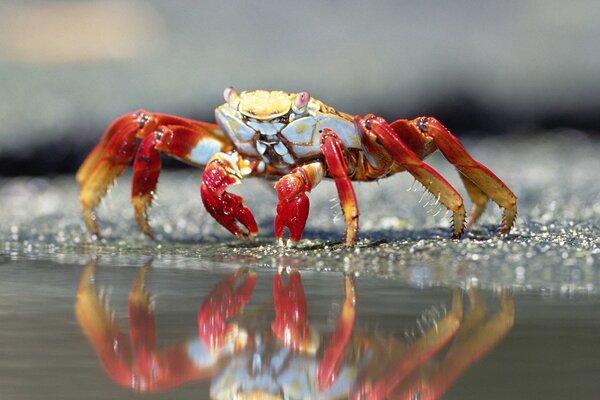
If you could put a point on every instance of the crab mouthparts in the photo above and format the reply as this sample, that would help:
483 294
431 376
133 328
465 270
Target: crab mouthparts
269 145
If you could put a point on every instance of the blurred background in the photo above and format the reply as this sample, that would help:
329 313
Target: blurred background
68 68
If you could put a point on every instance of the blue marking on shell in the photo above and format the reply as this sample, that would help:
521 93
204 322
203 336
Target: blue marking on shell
300 130
204 150
345 131
238 132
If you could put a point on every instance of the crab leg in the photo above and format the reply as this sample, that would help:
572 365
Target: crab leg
333 150
293 203
427 176
146 169
329 366
486 183
477 196
417 354
137 364
223 170
102 331
191 141
192 145
475 338
290 325
224 302
105 163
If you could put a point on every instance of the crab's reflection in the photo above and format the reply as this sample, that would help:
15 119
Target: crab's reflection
287 358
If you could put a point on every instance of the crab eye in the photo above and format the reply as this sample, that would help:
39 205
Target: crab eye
301 102
229 94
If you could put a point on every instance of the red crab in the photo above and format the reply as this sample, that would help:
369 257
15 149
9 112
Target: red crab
246 355
298 140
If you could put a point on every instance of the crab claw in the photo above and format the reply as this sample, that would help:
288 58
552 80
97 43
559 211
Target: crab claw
292 201
290 325
292 207
227 208
224 302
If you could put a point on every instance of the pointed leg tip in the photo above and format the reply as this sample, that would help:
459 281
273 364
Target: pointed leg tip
289 243
244 235
509 217
457 234
145 227
150 235
89 217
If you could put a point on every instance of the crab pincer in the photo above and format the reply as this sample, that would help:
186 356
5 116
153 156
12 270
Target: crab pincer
290 325
227 208
224 302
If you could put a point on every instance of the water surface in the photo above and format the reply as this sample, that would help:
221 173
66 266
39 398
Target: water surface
551 352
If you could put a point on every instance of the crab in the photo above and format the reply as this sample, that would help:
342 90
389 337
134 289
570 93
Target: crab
244 354
296 139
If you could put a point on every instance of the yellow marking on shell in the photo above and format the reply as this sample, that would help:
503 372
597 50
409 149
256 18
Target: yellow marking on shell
263 104
235 125
302 127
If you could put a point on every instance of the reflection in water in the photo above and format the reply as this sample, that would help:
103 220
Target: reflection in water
288 358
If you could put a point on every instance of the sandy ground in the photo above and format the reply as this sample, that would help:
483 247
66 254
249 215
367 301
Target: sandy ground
554 246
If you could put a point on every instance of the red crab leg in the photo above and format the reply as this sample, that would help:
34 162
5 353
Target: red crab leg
333 150
330 364
224 302
136 364
102 331
146 169
290 325
477 196
106 162
176 141
427 176
228 209
142 333
115 150
417 354
293 204
480 182
475 338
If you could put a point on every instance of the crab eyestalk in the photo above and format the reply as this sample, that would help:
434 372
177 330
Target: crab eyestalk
230 95
300 104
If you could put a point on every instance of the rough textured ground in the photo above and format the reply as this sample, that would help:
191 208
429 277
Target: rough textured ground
555 245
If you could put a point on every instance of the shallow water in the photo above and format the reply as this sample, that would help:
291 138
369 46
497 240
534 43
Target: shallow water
551 352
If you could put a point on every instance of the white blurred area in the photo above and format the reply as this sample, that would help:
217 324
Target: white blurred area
68 65
74 32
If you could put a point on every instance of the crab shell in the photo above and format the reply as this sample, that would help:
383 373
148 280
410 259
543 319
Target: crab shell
281 128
